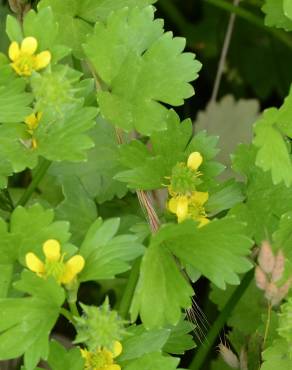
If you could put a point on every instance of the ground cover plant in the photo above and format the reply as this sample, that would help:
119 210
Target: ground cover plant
143 227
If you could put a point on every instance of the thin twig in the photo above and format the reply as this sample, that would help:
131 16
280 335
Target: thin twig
223 55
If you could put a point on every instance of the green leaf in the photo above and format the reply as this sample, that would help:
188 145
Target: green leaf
27 322
93 10
96 174
141 341
149 169
6 274
17 155
35 23
72 29
283 236
277 356
60 358
246 317
274 153
107 255
287 6
125 32
133 102
160 285
76 18
224 196
66 138
218 250
276 14
154 360
14 101
78 208
266 202
33 226
13 29
180 340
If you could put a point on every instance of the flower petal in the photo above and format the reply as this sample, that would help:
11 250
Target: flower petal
199 197
195 160
113 367
203 221
172 204
72 267
29 45
43 59
52 250
34 263
118 349
182 208
31 121
14 51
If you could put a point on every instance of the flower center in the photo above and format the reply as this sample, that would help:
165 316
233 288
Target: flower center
55 269
98 360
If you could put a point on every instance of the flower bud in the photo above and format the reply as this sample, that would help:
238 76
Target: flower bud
266 258
279 267
228 356
261 278
282 293
195 160
272 291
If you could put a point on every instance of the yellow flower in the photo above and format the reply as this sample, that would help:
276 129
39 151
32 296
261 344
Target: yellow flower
63 272
179 205
32 121
24 59
190 207
102 359
195 160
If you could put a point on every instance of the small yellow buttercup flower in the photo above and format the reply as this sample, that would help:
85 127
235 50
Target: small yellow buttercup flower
195 160
102 358
63 272
190 207
24 59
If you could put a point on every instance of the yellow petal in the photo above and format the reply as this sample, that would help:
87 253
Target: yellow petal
52 250
113 367
84 353
172 204
199 197
72 267
31 121
34 143
182 208
195 160
118 349
29 45
39 116
203 221
43 59
14 51
34 263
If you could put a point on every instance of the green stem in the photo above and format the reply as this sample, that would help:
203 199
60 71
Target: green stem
129 290
73 309
219 323
268 323
67 314
41 171
252 18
